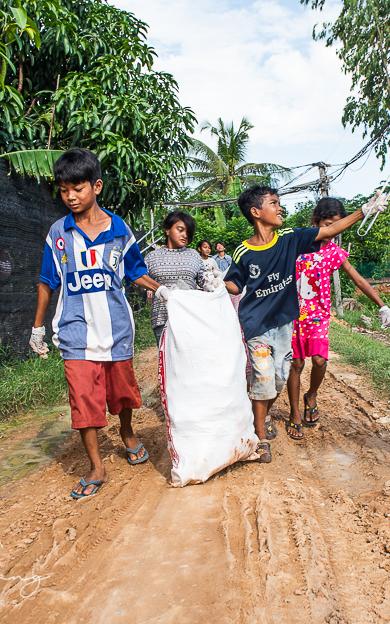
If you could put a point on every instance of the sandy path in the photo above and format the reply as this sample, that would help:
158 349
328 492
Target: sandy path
303 540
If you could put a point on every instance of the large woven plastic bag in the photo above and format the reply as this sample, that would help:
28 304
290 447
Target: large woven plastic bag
202 363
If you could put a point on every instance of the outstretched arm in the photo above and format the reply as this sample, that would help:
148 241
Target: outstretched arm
147 282
330 231
362 283
377 203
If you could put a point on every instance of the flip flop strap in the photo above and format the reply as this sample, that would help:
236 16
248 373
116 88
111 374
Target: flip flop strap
136 449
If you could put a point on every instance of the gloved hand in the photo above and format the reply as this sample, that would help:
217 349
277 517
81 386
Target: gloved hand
384 316
37 343
377 203
212 280
162 293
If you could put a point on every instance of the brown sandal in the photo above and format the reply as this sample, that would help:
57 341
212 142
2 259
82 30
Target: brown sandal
290 424
310 411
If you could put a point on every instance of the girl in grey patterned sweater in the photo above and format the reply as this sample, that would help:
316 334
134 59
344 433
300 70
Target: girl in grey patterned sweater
174 262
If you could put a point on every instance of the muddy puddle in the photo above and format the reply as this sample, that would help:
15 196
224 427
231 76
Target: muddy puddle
340 467
32 441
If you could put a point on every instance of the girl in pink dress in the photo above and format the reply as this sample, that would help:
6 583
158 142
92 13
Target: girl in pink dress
311 329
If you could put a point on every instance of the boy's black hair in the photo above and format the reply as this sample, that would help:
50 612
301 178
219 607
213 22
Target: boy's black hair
326 208
177 215
253 196
219 242
77 165
199 245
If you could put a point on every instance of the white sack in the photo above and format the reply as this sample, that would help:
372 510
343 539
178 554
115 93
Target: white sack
203 386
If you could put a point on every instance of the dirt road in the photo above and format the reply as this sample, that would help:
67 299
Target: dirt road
303 540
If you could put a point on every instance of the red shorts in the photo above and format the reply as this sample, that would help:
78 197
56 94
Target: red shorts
93 385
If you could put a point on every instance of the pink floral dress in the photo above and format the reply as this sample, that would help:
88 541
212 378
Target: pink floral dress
313 271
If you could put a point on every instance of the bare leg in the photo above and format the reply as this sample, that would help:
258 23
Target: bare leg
317 374
260 410
97 473
127 433
293 388
316 377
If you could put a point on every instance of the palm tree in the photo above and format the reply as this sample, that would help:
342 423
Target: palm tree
226 170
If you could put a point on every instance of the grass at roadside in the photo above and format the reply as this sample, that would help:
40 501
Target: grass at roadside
30 383
367 308
372 356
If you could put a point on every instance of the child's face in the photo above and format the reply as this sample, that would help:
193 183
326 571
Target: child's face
326 222
270 212
205 250
177 235
81 196
219 247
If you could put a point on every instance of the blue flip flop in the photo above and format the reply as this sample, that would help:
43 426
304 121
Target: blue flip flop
97 485
134 451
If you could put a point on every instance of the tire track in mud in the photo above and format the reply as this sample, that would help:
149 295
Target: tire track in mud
302 540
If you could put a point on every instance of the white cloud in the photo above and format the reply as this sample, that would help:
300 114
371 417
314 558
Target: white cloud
256 59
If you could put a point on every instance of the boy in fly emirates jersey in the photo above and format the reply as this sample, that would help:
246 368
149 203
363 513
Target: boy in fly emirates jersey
265 265
87 255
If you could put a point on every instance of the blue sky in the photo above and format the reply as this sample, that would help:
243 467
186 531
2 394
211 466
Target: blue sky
235 58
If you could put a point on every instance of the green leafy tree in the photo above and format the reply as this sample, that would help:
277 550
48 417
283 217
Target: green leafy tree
370 254
89 81
362 36
225 173
225 170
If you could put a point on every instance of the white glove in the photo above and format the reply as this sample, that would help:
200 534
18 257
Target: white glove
377 203
384 316
36 342
208 281
162 293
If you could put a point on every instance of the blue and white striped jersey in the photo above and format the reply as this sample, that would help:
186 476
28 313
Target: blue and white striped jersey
93 320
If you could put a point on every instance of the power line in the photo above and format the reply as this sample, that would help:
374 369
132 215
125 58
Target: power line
312 185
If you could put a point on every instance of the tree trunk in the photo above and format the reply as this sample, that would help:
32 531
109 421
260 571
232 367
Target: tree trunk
21 78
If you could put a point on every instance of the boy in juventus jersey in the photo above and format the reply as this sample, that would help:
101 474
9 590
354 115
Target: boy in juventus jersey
87 256
265 266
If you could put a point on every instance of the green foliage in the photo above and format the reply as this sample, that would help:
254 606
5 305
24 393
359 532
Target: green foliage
232 234
225 170
369 255
109 97
362 34
38 163
34 382
368 308
372 356
25 385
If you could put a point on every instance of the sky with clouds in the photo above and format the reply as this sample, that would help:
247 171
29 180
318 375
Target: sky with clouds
256 58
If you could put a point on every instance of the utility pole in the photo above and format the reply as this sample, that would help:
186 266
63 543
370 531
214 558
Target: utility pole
324 191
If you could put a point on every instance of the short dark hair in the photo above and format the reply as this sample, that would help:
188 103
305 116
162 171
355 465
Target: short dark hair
327 207
177 215
219 243
77 165
199 245
253 196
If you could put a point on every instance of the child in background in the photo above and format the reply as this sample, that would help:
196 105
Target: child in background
204 249
87 255
311 329
222 259
265 264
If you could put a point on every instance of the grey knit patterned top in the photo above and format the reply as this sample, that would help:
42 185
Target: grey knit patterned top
168 266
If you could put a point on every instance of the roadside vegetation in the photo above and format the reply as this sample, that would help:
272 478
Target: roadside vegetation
27 384
370 355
